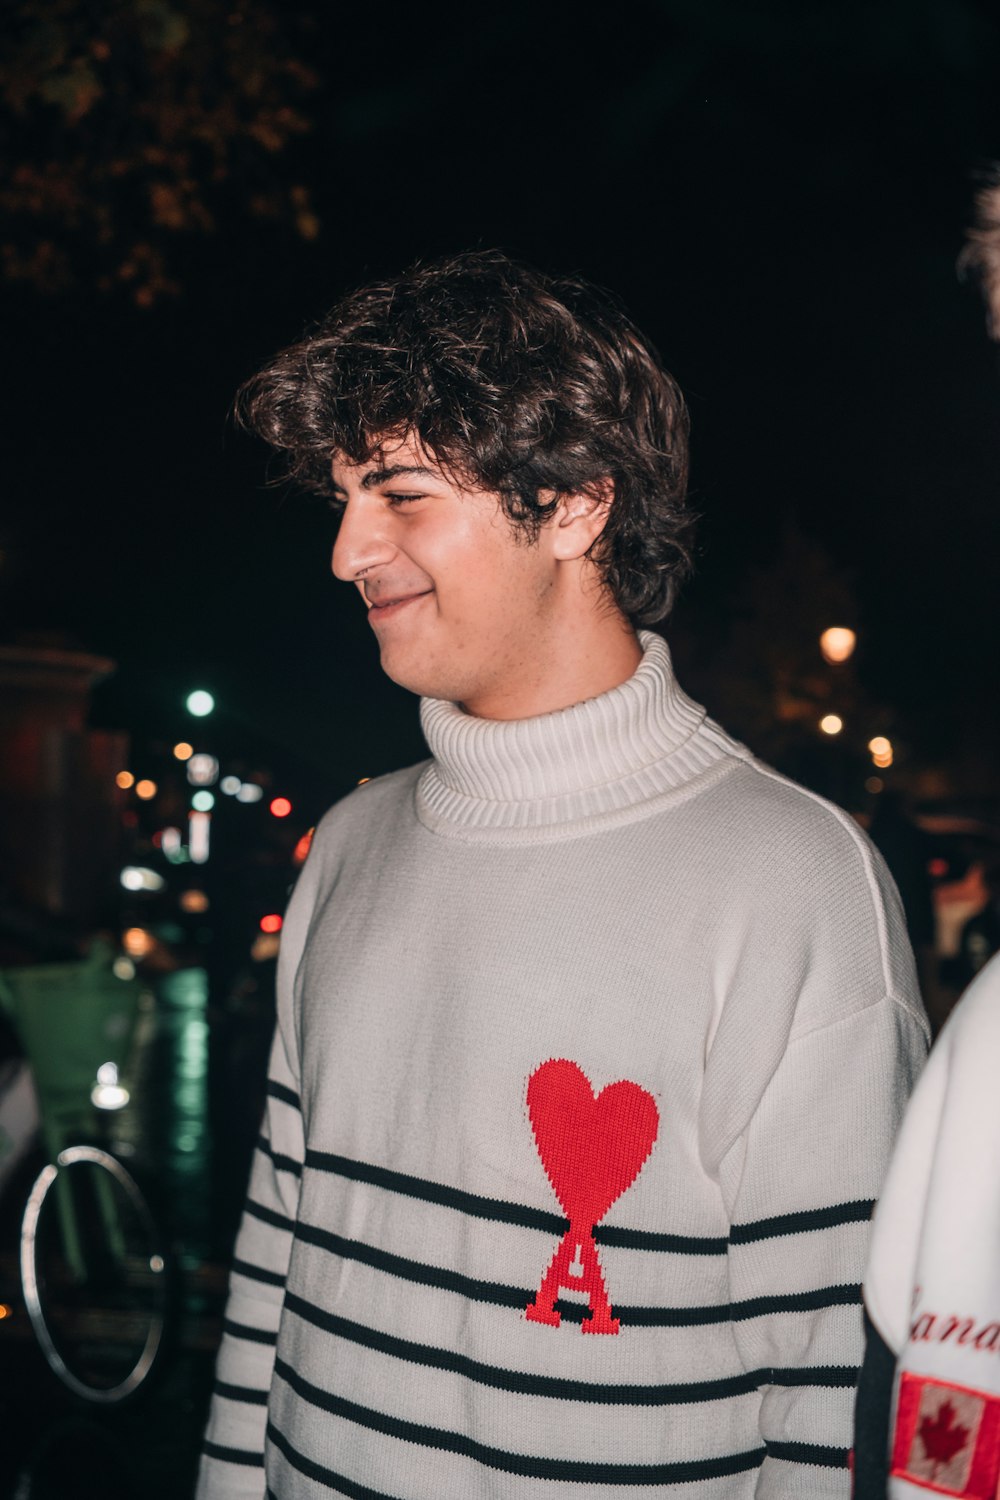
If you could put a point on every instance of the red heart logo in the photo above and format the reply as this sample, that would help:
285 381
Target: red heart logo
592 1149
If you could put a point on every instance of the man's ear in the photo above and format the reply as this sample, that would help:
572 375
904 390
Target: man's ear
579 520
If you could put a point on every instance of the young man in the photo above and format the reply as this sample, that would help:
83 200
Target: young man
589 1025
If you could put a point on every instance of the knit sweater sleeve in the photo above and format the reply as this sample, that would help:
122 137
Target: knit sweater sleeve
820 1136
232 1465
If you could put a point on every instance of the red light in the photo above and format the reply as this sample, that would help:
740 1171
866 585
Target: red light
937 868
271 923
303 846
281 807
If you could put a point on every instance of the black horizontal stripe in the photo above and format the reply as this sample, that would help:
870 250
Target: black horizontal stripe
810 1453
857 1212
258 1273
286 1095
836 1377
521 1382
282 1163
244 1331
522 1464
320 1474
498 1295
268 1215
524 1383
498 1211
645 1239
240 1393
242 1456
811 1301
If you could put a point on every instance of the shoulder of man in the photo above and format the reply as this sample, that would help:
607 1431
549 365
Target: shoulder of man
369 803
799 873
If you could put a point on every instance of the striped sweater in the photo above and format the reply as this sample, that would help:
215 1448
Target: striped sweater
590 1025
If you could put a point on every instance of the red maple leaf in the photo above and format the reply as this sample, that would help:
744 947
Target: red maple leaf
943 1437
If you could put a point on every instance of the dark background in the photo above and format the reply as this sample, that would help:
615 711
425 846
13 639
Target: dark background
778 191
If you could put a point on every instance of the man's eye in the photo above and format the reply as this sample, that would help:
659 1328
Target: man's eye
398 499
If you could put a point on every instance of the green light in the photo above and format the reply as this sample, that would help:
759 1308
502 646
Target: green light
200 703
203 801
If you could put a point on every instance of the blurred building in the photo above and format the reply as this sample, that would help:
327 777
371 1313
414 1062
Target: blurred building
60 823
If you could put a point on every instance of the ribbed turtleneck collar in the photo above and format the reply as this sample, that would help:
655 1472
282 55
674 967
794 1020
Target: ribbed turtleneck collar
590 766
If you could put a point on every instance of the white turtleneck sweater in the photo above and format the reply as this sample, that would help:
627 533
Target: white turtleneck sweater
590 1025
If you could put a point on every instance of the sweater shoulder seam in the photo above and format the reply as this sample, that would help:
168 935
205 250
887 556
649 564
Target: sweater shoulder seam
891 997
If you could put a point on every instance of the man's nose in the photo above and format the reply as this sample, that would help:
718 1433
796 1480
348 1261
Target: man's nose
363 540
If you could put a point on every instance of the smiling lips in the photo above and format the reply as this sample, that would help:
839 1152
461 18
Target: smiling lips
378 612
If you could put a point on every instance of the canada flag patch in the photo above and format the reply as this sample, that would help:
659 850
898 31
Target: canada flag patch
947 1438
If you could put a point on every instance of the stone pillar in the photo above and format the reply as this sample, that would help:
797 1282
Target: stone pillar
60 813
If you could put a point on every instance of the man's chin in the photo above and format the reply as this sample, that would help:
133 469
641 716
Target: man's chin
406 670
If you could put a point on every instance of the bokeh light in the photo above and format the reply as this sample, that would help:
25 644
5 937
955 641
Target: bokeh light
137 942
199 703
837 644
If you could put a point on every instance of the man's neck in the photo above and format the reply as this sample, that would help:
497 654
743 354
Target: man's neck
594 655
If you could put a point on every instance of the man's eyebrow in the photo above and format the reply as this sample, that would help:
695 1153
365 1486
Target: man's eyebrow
375 478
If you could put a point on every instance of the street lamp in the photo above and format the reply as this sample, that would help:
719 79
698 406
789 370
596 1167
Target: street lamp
881 751
199 703
837 644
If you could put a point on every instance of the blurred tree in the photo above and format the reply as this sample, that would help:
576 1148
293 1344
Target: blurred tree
768 682
133 126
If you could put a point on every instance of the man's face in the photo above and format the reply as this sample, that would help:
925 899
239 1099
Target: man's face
460 604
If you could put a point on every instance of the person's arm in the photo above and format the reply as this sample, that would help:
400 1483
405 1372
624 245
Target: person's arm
872 1413
801 1182
232 1466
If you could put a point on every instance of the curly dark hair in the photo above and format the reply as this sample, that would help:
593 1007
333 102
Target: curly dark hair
526 385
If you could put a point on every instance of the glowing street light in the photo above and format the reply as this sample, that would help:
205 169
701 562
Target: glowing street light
199 703
137 942
183 751
837 644
146 790
281 807
881 751
202 769
138 878
199 834
124 779
203 801
831 723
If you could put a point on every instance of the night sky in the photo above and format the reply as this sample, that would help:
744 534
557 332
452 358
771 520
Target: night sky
778 192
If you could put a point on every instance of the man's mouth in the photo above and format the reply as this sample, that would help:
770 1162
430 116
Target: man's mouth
384 609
